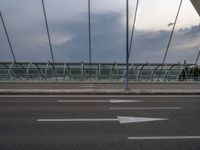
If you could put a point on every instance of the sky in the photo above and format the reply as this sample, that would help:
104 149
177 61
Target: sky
68 25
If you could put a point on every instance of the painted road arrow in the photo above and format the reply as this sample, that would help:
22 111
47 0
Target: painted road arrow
121 119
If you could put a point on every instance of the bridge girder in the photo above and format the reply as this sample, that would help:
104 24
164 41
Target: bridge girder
196 4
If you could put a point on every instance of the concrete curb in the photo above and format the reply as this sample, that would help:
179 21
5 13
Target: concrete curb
96 92
99 82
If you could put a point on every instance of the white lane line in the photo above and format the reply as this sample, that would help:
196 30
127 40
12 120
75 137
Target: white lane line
76 120
120 119
125 101
164 138
87 86
83 101
145 108
99 101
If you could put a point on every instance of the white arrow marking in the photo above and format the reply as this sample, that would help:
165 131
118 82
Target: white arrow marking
99 101
145 108
164 138
121 119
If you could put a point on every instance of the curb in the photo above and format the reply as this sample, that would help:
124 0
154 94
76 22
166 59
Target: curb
98 82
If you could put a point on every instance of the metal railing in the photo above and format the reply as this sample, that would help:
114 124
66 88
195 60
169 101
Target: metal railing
98 72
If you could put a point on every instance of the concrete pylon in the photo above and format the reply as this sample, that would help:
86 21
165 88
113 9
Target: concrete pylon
196 4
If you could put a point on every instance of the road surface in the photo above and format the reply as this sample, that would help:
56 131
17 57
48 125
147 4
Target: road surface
156 86
94 123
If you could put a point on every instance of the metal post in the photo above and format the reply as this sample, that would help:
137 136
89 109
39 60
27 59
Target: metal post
99 71
195 65
197 59
127 43
13 55
82 71
90 48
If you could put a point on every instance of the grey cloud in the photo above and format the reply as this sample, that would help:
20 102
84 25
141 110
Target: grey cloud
151 45
108 41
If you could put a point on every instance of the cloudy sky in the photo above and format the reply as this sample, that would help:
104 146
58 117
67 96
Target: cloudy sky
68 24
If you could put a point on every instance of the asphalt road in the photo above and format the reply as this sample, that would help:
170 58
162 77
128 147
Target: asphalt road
161 86
20 128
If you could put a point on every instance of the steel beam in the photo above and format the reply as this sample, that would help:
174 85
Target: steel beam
47 28
167 73
9 70
196 4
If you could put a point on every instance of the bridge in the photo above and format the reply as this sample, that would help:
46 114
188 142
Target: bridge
85 71
91 105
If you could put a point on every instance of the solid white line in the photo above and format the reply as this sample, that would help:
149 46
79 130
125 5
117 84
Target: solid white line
99 101
83 101
125 101
164 138
87 86
145 108
74 120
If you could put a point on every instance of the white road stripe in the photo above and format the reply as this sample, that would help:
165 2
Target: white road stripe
125 101
75 120
145 108
87 86
164 138
83 101
99 101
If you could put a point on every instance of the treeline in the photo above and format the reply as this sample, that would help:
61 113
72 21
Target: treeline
190 74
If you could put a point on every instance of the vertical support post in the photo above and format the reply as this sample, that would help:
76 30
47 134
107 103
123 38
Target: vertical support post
64 71
9 70
27 71
82 71
90 47
195 65
46 70
5 29
197 58
127 43
99 71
